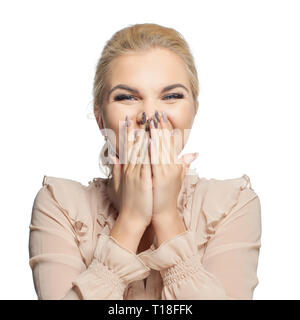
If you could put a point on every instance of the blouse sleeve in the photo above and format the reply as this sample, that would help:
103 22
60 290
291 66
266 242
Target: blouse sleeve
227 270
60 272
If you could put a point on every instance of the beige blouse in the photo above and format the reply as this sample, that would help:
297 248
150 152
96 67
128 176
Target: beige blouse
71 249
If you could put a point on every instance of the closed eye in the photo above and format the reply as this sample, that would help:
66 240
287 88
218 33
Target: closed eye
176 95
121 97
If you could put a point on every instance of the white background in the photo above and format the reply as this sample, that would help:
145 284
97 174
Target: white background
247 55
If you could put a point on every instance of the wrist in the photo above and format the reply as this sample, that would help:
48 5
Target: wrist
167 227
131 222
127 232
131 225
164 218
168 222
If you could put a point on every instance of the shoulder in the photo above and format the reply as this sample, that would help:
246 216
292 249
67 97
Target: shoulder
64 191
209 201
225 196
232 202
67 197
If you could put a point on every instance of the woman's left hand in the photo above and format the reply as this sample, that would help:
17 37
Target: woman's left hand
168 171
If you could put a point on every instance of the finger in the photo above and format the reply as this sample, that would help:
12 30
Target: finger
166 137
164 142
186 161
117 171
129 141
143 151
145 169
188 158
141 131
157 124
169 137
154 147
136 148
163 155
142 119
156 152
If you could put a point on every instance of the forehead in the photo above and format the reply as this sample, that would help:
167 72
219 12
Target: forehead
157 66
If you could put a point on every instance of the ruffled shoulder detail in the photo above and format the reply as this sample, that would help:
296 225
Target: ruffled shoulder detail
224 197
106 212
73 199
185 197
204 203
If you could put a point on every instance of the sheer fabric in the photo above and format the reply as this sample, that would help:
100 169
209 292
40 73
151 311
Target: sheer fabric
73 256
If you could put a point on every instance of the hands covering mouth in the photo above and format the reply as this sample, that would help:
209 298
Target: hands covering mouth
157 121
154 119
152 170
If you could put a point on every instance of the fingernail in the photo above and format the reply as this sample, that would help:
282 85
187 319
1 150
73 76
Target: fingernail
164 117
127 121
155 123
148 125
143 118
157 116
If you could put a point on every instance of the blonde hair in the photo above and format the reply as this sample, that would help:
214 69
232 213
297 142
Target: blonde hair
140 37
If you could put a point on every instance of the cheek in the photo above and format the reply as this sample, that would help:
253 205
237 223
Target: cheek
183 122
115 122
112 118
182 118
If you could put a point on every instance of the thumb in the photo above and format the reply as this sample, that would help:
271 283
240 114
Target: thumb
189 158
186 160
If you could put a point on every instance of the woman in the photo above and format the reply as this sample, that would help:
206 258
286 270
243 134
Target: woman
153 229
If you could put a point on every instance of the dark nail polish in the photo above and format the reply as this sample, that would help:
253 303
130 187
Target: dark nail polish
155 123
148 125
127 121
143 118
157 116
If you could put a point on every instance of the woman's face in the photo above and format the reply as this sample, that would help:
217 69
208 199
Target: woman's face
145 75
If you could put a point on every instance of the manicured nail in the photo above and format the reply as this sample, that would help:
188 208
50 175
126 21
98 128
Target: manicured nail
148 125
155 123
127 121
164 117
157 116
143 118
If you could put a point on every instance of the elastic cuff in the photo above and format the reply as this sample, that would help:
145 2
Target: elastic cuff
182 270
180 248
111 270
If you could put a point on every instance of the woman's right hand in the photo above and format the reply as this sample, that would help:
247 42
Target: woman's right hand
134 178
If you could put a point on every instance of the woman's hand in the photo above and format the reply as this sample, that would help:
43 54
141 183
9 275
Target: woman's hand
168 170
132 179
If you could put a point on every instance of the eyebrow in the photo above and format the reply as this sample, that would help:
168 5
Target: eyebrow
133 90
